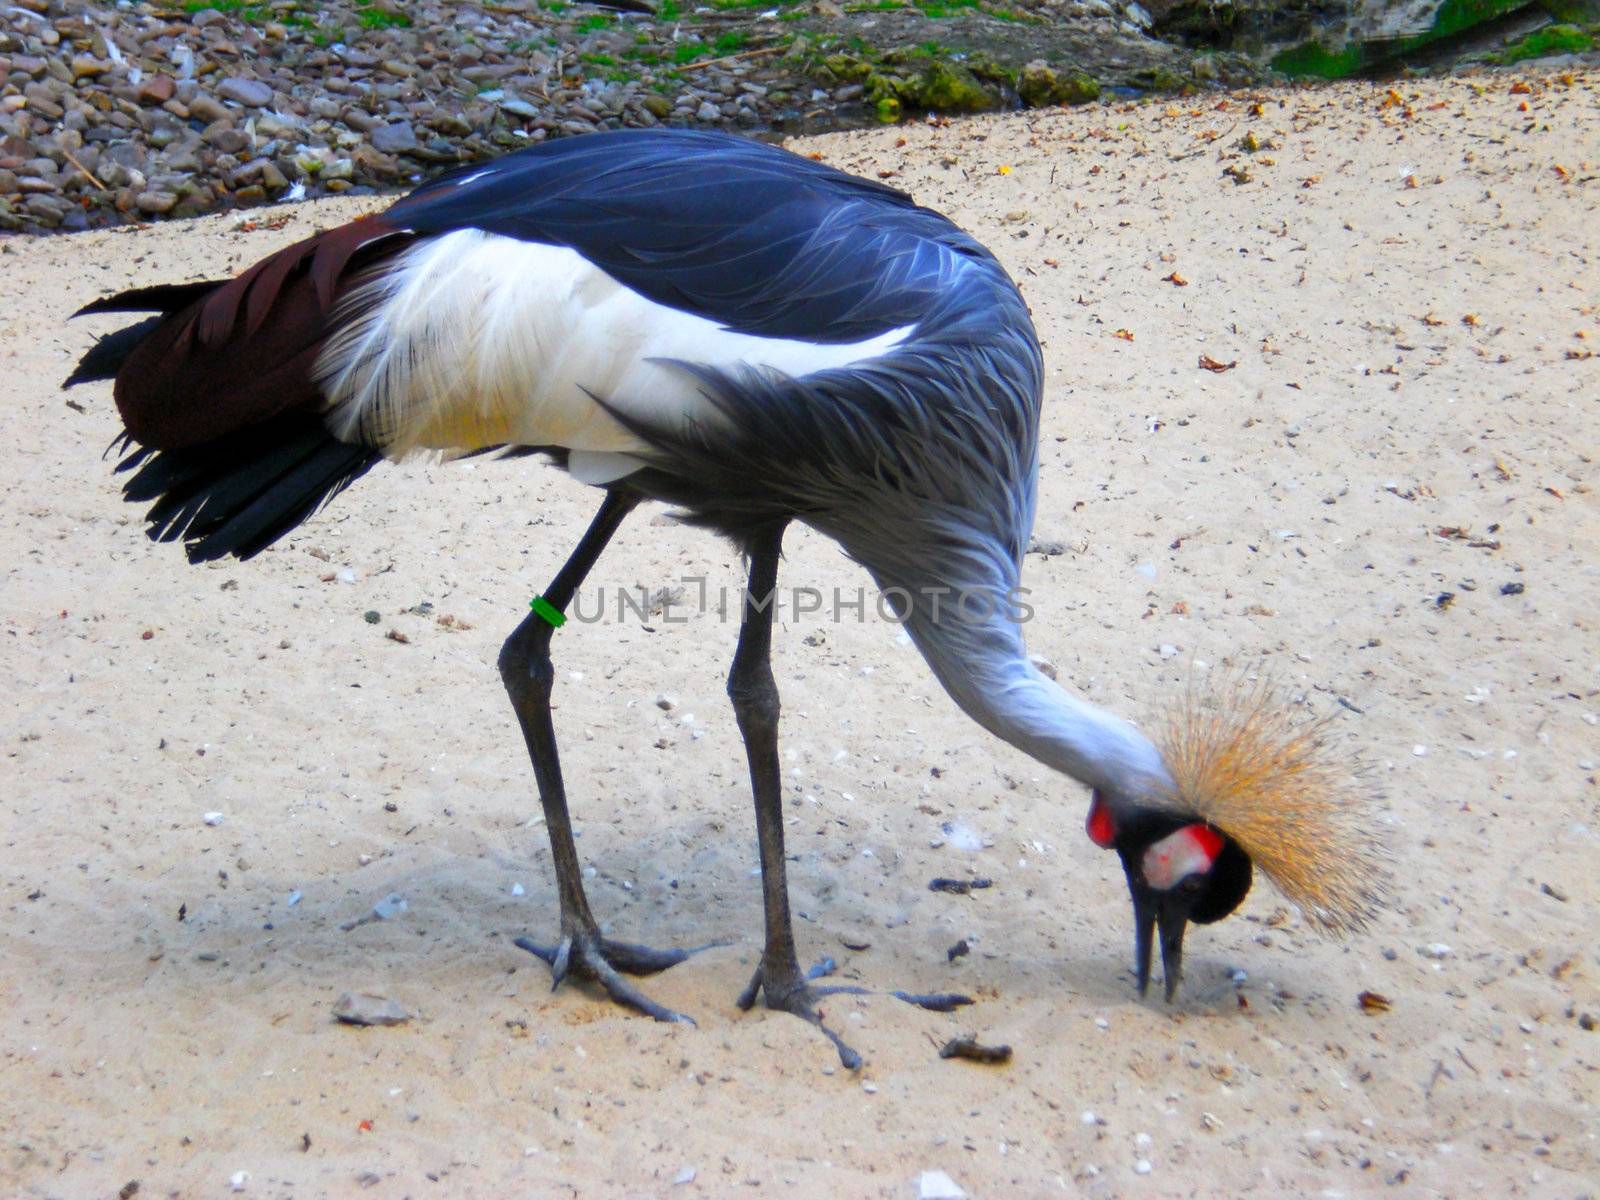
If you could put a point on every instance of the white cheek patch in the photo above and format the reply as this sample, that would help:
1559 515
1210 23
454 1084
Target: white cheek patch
1177 856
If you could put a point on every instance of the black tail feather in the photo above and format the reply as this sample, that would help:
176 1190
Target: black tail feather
106 356
239 494
163 298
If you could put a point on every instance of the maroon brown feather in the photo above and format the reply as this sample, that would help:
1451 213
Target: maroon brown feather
204 373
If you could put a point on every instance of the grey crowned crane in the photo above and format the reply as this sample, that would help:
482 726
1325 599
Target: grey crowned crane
753 338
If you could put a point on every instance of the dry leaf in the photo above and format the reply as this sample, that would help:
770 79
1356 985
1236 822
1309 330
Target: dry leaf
1124 334
1210 364
1374 1002
1176 280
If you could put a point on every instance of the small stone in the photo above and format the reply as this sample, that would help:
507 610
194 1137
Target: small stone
238 1179
213 818
1436 950
250 92
86 66
156 90
936 1185
684 1175
156 204
665 702
1142 1167
365 1008
708 112
206 108
657 106
394 139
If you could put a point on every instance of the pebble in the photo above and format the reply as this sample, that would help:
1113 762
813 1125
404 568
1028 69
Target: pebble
936 1185
1142 1167
397 138
238 1180
250 92
213 818
1436 950
684 1175
365 1008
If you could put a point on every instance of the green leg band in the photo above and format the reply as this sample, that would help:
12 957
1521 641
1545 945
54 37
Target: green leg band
548 611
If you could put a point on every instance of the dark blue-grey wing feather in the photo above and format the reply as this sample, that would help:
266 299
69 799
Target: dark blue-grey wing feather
750 236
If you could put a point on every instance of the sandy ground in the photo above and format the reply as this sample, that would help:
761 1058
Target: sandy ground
1408 285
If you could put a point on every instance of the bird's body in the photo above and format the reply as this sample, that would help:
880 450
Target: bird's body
747 335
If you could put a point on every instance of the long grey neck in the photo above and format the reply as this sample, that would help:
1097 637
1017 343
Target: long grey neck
971 636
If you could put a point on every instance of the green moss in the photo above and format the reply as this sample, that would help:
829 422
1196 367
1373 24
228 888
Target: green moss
944 87
1315 60
1541 43
244 10
730 43
1041 87
372 16
1453 16
887 109
593 24
846 68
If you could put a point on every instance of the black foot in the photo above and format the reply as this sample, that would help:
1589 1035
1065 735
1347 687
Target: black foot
787 990
590 956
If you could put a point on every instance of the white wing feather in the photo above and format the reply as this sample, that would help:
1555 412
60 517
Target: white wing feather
471 339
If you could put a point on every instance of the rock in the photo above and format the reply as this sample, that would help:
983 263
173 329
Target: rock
708 112
250 196
156 90
207 108
657 106
156 204
1040 87
942 87
365 1008
936 1185
397 138
226 140
86 66
250 92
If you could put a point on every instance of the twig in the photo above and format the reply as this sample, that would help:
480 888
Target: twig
726 58
88 174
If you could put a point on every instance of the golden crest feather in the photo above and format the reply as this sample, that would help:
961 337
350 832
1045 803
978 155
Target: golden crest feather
1297 801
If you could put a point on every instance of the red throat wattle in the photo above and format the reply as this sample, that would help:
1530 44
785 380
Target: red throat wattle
1102 830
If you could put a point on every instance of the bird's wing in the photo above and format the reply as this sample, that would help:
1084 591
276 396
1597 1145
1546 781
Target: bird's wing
754 238
556 290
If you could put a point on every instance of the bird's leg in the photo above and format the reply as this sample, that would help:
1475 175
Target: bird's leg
526 670
755 704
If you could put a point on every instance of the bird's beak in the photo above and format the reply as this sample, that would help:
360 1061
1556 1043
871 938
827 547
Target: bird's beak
1167 914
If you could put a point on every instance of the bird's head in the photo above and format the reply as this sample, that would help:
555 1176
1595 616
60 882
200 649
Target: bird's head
1179 870
1251 786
